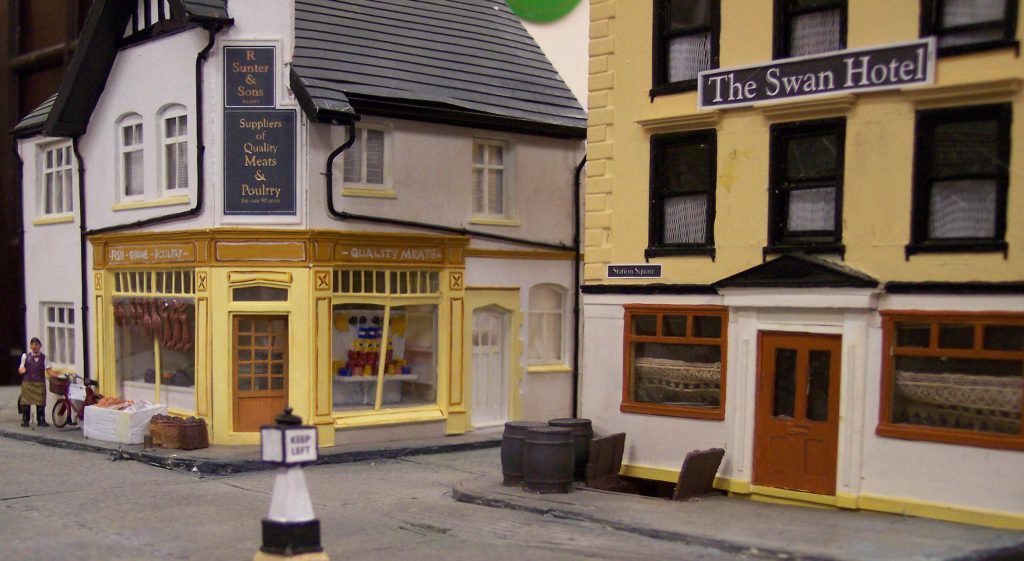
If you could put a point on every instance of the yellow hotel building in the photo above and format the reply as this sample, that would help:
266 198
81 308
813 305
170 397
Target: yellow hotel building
804 244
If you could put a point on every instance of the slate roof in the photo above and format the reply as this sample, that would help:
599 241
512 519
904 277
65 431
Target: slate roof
466 62
33 122
798 271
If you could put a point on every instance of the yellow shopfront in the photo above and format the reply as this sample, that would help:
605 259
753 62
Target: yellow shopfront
353 331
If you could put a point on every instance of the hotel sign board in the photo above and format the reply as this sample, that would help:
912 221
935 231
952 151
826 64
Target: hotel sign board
855 70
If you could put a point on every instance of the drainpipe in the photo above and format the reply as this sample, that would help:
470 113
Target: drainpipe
196 209
577 183
342 215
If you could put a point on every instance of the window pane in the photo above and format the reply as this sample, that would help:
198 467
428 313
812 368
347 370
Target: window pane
685 14
962 209
375 157
496 197
687 375
970 37
707 326
686 167
817 385
133 173
962 12
545 336
354 160
811 157
956 336
965 148
674 326
685 220
478 154
645 325
812 210
913 335
966 394
688 55
478 191
259 294
816 32
1004 338
784 400
495 155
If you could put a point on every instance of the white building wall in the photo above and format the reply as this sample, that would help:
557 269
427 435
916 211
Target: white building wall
52 254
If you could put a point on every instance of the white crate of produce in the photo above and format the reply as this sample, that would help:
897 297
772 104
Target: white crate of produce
125 427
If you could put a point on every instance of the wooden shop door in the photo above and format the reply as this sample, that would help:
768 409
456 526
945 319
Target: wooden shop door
259 367
796 436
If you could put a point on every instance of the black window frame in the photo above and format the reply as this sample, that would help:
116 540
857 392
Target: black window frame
656 247
662 37
931 24
924 128
784 18
780 240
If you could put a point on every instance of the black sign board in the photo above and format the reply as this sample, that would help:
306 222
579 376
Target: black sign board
634 271
249 76
259 161
855 70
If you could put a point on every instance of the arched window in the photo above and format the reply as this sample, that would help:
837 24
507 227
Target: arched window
546 329
130 156
174 148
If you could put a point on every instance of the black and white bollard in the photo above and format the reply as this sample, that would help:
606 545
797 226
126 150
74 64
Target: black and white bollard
291 530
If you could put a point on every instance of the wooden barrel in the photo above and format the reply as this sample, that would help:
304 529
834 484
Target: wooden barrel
582 434
548 460
512 443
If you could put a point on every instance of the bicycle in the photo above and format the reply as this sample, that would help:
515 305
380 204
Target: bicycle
74 399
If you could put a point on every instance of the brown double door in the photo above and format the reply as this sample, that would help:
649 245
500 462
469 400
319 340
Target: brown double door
259 367
796 437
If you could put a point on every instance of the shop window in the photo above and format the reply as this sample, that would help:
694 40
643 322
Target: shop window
953 377
805 207
130 166
366 161
154 337
683 177
384 346
964 26
685 43
961 177
490 181
59 334
809 27
675 361
56 179
547 312
175 149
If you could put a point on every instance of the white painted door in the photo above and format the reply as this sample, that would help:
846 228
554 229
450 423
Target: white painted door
490 367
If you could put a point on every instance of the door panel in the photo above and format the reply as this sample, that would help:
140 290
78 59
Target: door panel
796 437
489 368
259 364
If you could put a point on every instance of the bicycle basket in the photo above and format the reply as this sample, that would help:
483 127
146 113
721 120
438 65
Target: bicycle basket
58 385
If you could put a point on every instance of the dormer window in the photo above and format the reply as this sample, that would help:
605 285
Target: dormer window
131 161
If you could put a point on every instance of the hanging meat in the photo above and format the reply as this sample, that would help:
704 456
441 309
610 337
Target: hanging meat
175 340
119 314
165 323
186 330
154 319
147 323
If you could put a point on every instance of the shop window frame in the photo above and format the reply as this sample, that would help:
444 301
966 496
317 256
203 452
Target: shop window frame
924 129
628 405
662 36
962 437
931 24
783 22
656 247
780 238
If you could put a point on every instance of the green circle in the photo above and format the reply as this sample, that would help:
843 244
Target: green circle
542 11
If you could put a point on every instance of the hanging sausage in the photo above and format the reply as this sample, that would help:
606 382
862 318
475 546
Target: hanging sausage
154 318
147 323
175 340
186 332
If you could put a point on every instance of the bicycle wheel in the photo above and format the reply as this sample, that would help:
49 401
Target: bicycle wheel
61 414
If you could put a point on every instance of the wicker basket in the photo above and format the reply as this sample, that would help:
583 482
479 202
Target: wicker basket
58 385
156 429
171 434
194 435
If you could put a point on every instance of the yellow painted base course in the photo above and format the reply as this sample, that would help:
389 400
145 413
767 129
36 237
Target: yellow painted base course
740 488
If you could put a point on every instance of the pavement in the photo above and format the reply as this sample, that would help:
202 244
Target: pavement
742 528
